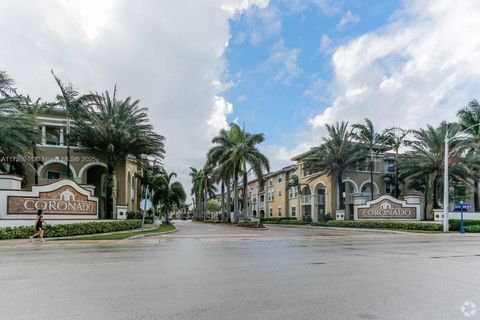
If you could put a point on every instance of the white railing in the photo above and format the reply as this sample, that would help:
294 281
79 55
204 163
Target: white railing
349 197
306 199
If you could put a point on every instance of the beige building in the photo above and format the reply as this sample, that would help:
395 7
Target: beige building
85 168
317 195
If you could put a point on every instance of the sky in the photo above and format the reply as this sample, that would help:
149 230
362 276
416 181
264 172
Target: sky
281 67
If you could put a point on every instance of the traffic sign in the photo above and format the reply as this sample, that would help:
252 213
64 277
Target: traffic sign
464 206
145 204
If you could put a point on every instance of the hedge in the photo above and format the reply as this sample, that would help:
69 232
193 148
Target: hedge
73 229
319 224
294 222
250 224
454 224
278 219
472 228
426 226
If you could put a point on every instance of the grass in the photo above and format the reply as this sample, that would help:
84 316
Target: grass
125 235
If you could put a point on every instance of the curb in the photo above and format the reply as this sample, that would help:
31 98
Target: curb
151 234
341 228
91 234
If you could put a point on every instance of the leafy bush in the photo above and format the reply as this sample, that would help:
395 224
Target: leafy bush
472 228
74 229
293 222
454 224
426 226
250 224
277 220
319 224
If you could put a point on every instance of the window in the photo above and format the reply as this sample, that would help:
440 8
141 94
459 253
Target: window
388 187
293 192
52 136
270 182
270 212
279 211
390 166
280 178
293 211
271 195
280 193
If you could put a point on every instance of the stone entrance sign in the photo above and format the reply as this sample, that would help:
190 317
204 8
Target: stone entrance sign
389 208
61 198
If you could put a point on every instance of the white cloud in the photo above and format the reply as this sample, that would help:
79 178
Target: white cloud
218 117
168 54
285 63
263 23
348 19
325 43
418 69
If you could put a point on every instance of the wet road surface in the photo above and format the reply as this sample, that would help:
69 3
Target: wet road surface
206 271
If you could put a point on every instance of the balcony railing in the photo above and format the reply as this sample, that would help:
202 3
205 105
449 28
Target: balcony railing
261 205
306 199
349 197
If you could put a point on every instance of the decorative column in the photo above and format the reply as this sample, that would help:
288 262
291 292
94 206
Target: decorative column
61 137
44 134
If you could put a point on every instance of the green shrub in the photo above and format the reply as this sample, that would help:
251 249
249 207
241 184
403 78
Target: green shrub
454 224
319 224
73 229
277 219
293 222
472 228
250 224
400 225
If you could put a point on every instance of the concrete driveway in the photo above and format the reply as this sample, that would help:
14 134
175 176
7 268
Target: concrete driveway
206 271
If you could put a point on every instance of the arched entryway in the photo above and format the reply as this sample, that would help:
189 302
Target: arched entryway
351 190
94 174
51 171
306 203
320 201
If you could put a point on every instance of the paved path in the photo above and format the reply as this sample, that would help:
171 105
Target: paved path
206 271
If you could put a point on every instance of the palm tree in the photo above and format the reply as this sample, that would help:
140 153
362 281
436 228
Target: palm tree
167 193
114 130
75 106
371 140
197 189
337 152
426 158
395 138
34 109
470 120
236 151
19 130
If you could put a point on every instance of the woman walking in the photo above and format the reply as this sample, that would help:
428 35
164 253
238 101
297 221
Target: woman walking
39 226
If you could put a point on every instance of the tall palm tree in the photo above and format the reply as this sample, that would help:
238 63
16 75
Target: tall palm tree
19 130
470 120
34 109
197 189
337 152
238 153
167 193
372 141
426 158
74 106
395 138
114 130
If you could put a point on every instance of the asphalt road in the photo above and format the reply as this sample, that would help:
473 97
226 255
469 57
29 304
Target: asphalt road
210 272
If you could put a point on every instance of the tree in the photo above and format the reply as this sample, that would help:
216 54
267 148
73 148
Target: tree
214 206
470 121
74 106
373 141
395 138
167 193
197 189
114 130
336 153
426 159
237 152
19 130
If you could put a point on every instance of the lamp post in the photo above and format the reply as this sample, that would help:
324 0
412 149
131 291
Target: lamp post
445 176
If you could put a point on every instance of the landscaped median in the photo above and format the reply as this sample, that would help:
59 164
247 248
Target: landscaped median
82 228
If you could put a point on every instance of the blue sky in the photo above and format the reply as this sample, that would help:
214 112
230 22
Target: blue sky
263 89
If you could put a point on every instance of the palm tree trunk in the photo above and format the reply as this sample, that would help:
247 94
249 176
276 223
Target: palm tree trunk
395 182
476 197
229 199
435 193
223 199
235 199
245 196
35 163
109 191
205 197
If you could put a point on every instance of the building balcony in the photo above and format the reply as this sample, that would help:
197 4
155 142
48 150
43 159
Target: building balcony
261 205
350 197
306 199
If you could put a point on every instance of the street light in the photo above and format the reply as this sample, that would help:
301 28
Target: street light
445 176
